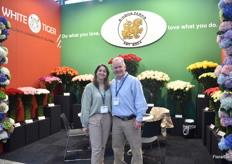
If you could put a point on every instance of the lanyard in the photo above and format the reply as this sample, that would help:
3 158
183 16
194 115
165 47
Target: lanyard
103 96
117 90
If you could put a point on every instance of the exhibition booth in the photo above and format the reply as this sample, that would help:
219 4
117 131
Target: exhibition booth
179 51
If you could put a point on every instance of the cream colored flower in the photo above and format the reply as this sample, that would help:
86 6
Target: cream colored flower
179 84
85 77
208 74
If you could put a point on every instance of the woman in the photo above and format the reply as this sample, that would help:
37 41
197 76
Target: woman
96 113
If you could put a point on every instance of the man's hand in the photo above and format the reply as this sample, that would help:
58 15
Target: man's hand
137 124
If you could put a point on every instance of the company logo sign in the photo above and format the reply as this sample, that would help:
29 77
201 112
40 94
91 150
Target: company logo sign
133 29
32 21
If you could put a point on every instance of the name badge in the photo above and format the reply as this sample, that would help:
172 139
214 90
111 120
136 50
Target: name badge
116 101
104 109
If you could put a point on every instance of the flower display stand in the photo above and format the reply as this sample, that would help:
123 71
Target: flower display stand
217 154
209 132
207 119
31 132
76 118
16 140
44 128
201 102
66 103
178 126
54 114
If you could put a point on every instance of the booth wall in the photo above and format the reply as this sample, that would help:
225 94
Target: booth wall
175 51
31 54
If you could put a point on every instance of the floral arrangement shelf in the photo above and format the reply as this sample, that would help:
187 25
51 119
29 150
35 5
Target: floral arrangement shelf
179 91
81 81
50 82
131 61
224 75
6 124
153 81
65 74
13 95
28 92
40 95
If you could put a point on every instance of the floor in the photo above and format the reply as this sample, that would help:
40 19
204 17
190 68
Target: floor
50 150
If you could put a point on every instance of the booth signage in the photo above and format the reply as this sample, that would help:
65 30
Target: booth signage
133 29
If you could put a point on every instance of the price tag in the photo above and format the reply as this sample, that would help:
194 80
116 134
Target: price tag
28 121
67 94
17 124
150 105
201 96
41 118
220 133
51 105
178 116
212 126
206 108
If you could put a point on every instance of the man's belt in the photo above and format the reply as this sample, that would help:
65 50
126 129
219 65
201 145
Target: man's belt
126 118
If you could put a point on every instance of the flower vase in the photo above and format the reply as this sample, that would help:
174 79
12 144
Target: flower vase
40 101
50 98
13 103
27 102
178 108
40 111
64 88
27 112
152 98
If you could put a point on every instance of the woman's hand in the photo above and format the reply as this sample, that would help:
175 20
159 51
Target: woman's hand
86 130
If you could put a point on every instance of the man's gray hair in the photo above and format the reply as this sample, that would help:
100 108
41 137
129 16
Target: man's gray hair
118 59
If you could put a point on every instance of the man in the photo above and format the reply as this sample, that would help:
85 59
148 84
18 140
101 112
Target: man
128 108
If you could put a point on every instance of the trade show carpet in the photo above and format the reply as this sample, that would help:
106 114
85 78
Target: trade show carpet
50 150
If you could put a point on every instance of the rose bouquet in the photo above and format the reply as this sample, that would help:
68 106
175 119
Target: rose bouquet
65 74
40 95
28 92
215 95
131 61
208 80
81 81
13 95
179 91
50 82
153 81
199 68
